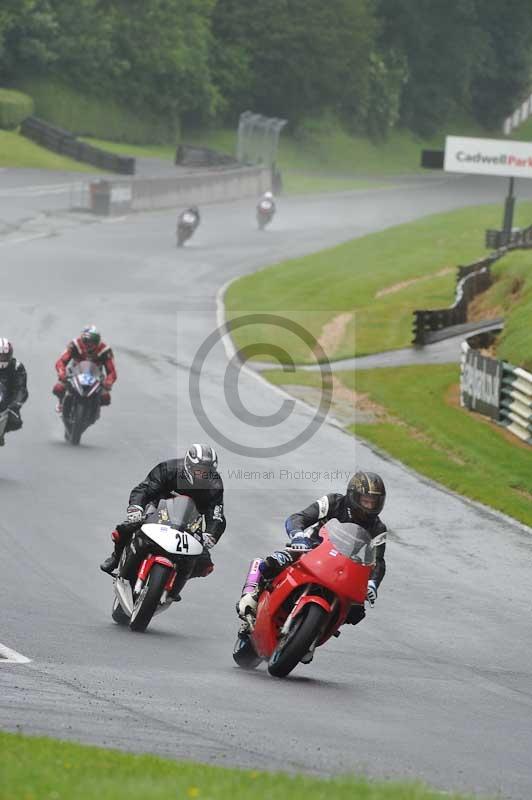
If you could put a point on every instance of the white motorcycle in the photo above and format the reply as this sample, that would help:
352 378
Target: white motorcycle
157 563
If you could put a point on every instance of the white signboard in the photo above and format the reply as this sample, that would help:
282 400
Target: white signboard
488 156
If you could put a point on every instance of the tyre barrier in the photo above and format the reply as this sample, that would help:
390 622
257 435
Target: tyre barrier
65 143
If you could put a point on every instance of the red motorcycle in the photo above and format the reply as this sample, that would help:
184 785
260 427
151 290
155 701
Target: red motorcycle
308 602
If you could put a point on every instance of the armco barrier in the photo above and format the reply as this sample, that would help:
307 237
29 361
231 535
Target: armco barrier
65 143
516 401
472 280
145 194
498 390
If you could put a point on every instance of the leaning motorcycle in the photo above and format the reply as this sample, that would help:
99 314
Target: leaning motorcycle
265 212
157 563
307 603
186 225
4 411
81 405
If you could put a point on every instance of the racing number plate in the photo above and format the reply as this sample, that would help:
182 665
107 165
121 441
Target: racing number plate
181 542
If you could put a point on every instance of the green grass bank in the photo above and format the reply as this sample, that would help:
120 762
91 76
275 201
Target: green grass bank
38 768
368 288
418 421
17 151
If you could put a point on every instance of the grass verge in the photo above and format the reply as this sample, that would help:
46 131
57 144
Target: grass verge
35 768
17 151
368 288
418 421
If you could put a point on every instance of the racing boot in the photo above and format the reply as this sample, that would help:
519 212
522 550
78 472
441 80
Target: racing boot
246 608
111 563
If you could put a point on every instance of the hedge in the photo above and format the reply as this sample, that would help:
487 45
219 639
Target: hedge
14 107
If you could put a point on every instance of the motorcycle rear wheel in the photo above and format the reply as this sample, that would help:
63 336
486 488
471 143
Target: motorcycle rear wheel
288 654
149 598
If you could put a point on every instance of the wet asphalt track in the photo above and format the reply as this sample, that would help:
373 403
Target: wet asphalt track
436 683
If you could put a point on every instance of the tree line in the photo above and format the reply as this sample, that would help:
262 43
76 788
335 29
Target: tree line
375 64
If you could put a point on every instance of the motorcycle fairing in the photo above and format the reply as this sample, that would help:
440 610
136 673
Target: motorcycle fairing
173 541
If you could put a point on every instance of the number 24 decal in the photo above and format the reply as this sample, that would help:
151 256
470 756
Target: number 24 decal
182 541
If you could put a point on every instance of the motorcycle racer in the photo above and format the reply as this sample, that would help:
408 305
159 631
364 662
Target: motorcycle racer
87 347
362 503
195 476
13 382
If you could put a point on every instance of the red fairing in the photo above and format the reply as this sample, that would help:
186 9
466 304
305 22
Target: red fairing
148 563
323 566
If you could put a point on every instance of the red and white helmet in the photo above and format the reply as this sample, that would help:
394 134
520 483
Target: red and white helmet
6 352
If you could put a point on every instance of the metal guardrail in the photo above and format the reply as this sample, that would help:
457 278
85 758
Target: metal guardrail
515 410
65 143
471 280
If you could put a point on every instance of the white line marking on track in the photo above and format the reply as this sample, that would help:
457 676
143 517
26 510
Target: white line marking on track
9 656
21 239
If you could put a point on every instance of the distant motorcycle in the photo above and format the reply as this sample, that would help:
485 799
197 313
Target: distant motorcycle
186 225
265 212
81 406
157 563
4 411
308 602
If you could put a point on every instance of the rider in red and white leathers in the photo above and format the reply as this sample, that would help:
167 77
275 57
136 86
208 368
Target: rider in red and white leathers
87 347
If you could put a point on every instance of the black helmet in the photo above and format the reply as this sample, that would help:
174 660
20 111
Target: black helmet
6 353
366 494
201 461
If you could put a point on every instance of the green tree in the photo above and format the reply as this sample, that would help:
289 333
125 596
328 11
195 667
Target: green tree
504 77
443 44
294 58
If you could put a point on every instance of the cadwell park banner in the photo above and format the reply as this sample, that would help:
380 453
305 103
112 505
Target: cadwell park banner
503 157
480 384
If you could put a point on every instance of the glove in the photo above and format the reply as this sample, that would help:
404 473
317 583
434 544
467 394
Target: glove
208 541
134 513
247 605
300 542
372 593
107 384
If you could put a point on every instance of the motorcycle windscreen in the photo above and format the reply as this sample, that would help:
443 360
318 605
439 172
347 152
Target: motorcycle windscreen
352 541
180 511
87 372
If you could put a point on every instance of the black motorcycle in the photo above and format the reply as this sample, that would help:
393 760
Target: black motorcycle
186 225
81 406
4 412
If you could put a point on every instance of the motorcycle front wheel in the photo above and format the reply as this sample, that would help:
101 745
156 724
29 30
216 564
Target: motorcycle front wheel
149 598
244 654
77 424
118 614
304 630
